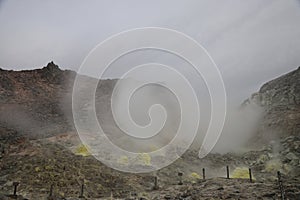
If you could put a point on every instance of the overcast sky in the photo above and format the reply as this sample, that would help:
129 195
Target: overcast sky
251 41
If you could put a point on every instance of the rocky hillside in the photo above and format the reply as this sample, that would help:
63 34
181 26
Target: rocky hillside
38 103
31 101
280 100
39 147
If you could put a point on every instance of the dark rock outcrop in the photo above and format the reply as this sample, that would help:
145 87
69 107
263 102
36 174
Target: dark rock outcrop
280 100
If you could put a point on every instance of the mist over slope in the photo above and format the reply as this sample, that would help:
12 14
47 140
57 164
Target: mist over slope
38 103
38 138
32 101
280 100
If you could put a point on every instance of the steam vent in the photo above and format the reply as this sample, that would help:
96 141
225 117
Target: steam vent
40 149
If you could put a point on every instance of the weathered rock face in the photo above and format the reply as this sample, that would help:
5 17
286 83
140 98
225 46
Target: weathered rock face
280 99
38 103
31 101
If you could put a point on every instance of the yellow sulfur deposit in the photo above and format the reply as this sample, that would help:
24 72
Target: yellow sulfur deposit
82 150
241 172
144 159
194 177
123 160
37 169
48 167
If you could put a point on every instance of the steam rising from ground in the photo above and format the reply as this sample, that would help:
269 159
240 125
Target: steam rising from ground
240 126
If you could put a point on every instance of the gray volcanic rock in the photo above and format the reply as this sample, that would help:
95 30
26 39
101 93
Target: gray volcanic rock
280 100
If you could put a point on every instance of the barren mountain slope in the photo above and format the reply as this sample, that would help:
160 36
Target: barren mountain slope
39 147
